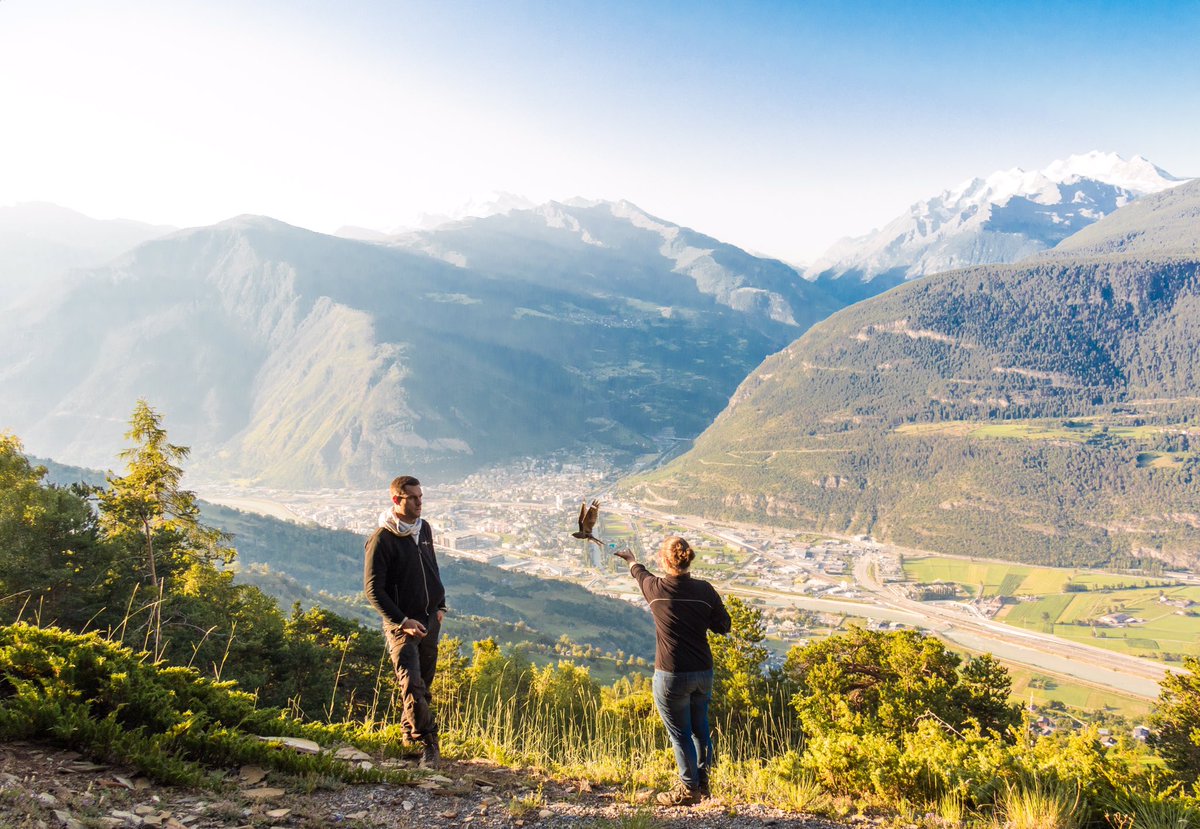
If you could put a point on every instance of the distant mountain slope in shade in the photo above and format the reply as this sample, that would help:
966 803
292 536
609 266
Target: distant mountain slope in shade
616 247
1044 411
39 242
291 357
1002 218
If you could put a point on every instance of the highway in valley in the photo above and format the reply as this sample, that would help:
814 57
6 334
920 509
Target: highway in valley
1046 652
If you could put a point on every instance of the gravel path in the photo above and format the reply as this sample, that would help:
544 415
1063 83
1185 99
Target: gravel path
47 788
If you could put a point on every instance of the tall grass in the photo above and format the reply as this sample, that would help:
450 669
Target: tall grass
591 741
1041 805
1168 810
606 744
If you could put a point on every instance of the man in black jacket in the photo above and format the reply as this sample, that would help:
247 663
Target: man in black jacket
402 582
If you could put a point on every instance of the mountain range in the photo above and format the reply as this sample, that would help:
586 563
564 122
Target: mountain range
1004 217
1045 410
40 243
298 359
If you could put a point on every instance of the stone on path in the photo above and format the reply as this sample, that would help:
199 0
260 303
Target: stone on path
295 743
252 775
351 753
264 793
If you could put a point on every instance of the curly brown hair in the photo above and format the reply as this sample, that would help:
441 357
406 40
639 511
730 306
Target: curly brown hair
676 554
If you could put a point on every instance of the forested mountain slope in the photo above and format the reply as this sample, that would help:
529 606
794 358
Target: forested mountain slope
1044 412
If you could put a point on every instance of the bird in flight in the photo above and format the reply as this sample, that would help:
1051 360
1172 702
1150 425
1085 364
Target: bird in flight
588 513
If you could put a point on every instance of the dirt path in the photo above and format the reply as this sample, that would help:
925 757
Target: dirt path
48 788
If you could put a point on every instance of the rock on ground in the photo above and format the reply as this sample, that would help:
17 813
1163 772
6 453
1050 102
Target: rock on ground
47 788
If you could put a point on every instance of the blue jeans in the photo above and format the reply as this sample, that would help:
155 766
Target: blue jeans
682 702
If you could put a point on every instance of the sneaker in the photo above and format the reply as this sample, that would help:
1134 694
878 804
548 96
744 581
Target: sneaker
679 795
431 755
705 790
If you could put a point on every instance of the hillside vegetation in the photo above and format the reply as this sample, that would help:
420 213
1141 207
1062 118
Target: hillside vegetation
1044 412
861 721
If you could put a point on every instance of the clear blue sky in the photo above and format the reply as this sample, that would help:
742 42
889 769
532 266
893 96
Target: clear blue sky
776 126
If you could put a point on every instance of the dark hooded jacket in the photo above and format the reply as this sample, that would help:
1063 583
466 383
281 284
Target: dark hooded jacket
401 576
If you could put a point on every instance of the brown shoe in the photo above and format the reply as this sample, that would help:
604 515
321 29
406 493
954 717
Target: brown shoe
679 795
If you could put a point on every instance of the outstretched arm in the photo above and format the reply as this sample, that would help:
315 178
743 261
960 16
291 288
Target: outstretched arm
718 620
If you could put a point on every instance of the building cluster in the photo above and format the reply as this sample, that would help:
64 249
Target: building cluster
1043 725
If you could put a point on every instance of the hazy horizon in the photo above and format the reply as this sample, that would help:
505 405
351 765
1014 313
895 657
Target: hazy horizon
774 127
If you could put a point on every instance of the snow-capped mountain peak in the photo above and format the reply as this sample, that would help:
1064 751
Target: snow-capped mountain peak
1002 217
1137 174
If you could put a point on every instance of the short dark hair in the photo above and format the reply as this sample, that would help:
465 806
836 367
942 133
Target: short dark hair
400 483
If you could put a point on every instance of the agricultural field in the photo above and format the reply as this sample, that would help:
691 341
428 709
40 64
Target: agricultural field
1038 598
1064 431
1073 431
1028 685
984 579
1035 614
1164 631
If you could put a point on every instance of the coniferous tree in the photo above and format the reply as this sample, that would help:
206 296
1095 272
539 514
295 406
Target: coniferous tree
1176 721
52 563
739 662
148 507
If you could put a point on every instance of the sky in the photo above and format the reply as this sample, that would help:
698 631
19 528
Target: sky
776 126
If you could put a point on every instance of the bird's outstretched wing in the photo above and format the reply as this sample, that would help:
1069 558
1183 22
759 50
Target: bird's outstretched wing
588 515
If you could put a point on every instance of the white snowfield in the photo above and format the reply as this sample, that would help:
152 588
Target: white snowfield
1004 217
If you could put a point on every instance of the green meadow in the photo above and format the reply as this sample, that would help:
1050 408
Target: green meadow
1164 632
1042 689
1038 598
984 579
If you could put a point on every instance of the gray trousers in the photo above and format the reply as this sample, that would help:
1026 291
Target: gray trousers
415 662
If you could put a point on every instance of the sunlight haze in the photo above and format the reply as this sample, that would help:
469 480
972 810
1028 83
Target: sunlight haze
773 126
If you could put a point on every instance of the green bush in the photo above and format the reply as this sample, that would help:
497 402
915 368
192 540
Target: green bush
100 698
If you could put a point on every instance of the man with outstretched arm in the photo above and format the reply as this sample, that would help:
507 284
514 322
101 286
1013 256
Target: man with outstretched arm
403 583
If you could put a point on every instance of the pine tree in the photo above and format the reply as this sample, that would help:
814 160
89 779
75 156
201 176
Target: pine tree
148 503
739 662
149 512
